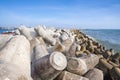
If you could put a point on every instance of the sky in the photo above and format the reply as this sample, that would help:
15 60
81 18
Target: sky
84 14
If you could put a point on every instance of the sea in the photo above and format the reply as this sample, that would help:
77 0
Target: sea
110 38
5 30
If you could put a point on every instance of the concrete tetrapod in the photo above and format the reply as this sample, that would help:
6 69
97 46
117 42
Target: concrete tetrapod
4 39
94 74
15 53
104 66
9 71
33 43
81 65
39 51
50 66
7 52
65 75
22 56
26 32
67 44
115 73
72 50
58 47
43 33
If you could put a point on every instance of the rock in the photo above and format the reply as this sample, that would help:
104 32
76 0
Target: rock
50 66
48 49
22 56
87 52
104 66
78 47
115 73
107 54
67 43
116 58
35 51
33 43
40 51
72 50
17 52
10 71
41 41
65 75
94 74
4 39
32 32
113 64
100 56
9 49
82 50
58 47
17 32
91 60
81 65
51 30
56 35
64 36
36 77
44 34
25 31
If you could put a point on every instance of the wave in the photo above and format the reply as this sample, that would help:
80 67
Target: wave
110 45
109 38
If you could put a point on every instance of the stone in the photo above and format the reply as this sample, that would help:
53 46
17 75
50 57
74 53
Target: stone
113 64
94 74
57 47
33 43
44 34
40 51
104 66
17 32
4 39
25 31
115 73
67 43
81 65
72 50
15 53
50 66
116 58
64 36
65 75
10 71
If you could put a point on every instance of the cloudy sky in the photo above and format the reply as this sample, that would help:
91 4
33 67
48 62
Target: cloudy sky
93 14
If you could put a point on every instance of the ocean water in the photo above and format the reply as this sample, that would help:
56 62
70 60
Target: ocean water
110 38
5 30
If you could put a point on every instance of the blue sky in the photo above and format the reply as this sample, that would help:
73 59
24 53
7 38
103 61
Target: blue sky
94 14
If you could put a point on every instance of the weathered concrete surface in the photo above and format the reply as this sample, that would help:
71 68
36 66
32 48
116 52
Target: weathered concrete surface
94 74
13 56
81 65
4 39
65 75
47 37
50 66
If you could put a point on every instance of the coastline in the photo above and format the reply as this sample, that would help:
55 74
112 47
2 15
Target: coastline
71 45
